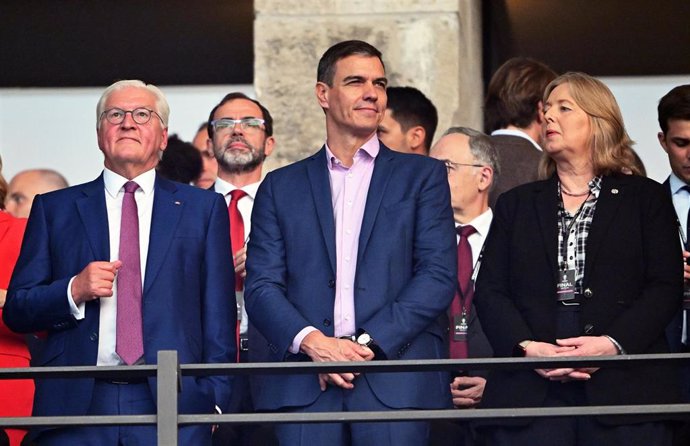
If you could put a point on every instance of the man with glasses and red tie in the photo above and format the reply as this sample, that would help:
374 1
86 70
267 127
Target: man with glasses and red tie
120 268
472 164
241 137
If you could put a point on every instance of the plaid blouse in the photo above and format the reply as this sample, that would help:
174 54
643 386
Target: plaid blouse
574 257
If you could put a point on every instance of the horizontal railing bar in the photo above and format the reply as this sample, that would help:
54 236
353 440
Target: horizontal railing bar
278 368
371 416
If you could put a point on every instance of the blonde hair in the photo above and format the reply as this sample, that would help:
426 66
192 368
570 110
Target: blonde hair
611 146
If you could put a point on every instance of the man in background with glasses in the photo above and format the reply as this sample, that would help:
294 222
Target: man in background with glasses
120 268
472 164
241 137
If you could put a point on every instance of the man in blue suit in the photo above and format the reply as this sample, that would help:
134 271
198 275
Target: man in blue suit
351 258
119 268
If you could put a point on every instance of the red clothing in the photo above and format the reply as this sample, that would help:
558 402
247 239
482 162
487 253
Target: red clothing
16 396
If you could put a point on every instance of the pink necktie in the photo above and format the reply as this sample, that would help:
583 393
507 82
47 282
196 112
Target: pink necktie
458 349
129 337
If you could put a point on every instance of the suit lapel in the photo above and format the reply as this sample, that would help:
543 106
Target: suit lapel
613 191
317 171
165 216
546 205
93 214
383 167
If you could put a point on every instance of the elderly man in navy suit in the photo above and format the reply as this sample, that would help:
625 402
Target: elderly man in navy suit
351 258
122 267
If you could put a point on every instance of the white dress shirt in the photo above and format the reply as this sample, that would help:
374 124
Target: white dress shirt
245 206
481 223
114 192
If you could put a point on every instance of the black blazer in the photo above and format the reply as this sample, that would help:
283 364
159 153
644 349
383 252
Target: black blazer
632 286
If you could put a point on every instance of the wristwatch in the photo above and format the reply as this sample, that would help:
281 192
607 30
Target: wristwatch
365 340
520 349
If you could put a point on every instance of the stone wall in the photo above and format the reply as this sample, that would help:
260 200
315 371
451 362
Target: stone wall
434 46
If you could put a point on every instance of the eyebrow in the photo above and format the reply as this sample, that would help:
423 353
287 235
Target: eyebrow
362 79
244 117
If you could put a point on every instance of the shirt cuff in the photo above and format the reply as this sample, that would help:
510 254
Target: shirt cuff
75 310
297 342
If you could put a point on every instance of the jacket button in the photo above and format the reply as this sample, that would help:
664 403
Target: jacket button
327 322
93 336
588 293
331 283
589 329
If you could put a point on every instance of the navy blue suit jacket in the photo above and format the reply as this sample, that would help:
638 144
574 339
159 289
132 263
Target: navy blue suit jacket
405 279
188 295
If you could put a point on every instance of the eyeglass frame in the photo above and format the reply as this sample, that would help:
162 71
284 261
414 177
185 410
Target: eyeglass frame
131 112
243 122
450 165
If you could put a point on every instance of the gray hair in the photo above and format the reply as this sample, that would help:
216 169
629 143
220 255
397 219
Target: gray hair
162 107
481 148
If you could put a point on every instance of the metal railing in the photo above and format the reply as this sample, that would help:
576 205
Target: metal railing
168 372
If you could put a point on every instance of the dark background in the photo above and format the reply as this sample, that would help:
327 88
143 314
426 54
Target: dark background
73 43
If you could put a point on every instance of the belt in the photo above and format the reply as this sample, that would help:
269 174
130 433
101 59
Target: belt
244 344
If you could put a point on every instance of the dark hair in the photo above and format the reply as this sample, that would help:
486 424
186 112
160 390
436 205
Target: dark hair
514 93
341 50
268 124
181 161
674 105
409 107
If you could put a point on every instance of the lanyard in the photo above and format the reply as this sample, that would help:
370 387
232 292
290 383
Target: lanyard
566 234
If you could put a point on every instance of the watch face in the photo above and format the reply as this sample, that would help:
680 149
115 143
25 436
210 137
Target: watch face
364 339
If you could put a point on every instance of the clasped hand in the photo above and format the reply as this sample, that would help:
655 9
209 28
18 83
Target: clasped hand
579 346
322 348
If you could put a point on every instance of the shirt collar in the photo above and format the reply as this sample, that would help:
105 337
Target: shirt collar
370 148
518 133
676 183
225 187
481 223
114 182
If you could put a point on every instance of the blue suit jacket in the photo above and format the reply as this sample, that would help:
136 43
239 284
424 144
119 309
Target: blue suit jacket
406 267
188 295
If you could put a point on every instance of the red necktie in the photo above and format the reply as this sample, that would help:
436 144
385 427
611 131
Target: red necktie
129 344
463 298
236 230
237 242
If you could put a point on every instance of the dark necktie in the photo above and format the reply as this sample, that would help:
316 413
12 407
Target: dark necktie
686 294
236 230
129 337
460 307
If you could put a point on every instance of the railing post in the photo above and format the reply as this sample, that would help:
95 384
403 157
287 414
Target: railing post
169 384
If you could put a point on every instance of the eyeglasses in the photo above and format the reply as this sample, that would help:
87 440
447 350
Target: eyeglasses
247 124
454 166
140 115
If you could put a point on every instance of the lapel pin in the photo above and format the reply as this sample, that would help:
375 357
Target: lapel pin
614 191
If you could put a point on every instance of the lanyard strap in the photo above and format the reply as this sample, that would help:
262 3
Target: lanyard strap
566 234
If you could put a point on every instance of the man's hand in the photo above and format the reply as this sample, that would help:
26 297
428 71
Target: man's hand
321 348
3 296
239 259
686 267
95 281
467 391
